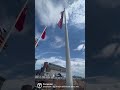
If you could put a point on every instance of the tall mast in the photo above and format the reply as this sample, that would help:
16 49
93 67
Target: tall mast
69 79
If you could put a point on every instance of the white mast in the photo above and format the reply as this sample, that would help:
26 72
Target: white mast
69 79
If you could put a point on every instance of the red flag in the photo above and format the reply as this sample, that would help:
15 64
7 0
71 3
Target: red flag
61 20
44 33
21 19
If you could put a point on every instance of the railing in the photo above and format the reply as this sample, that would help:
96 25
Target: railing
47 77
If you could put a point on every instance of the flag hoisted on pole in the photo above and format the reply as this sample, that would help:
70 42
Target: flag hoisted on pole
61 20
18 23
42 36
69 79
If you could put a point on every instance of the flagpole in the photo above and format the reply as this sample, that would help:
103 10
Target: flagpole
40 37
12 28
69 79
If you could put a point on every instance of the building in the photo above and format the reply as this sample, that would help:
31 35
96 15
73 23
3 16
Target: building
51 70
56 75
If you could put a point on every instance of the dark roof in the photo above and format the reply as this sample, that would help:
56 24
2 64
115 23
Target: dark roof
56 67
51 66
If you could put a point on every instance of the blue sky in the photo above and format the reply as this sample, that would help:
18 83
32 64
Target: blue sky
52 49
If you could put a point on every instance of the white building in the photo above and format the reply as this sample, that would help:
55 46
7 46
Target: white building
50 70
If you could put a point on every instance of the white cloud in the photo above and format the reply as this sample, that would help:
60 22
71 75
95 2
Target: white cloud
45 53
112 49
80 47
77 64
82 41
48 12
76 12
58 42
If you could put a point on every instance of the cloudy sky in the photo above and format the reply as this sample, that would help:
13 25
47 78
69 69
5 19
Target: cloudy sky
52 49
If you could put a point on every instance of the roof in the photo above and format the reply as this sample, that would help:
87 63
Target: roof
56 67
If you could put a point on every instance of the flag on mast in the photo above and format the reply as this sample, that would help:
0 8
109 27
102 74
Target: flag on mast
18 24
43 33
61 20
21 19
